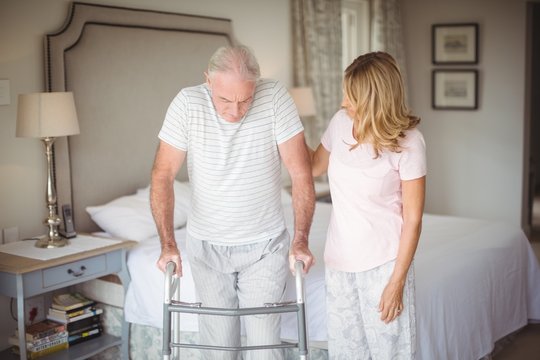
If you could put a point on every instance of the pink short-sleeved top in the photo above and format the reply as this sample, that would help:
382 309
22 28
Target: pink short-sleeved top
365 225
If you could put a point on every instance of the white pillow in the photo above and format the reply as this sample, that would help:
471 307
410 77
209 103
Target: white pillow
130 217
182 198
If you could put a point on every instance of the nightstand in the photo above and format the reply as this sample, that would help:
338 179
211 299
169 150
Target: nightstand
23 277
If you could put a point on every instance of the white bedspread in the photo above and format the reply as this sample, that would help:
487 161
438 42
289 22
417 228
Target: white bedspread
476 281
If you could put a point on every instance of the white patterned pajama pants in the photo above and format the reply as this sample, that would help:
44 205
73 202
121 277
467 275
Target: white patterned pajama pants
355 328
238 277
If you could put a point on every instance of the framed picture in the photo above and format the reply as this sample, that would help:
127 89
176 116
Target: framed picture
455 44
455 89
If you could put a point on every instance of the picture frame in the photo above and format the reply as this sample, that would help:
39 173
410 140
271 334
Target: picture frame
455 89
455 44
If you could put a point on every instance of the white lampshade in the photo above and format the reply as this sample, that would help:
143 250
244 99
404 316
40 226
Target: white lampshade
303 98
41 115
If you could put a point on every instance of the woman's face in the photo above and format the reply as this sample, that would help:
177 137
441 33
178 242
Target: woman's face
346 104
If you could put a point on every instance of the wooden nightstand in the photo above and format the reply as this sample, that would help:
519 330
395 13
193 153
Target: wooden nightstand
23 277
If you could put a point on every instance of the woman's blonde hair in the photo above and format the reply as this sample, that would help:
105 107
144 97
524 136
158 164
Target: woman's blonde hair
374 88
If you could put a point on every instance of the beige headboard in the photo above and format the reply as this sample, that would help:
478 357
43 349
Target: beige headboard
123 66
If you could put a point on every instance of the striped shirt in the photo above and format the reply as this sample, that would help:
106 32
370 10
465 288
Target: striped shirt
234 168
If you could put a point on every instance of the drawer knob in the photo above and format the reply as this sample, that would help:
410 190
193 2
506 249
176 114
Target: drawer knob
77 273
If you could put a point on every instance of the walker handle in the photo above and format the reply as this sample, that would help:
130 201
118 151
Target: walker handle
298 273
170 282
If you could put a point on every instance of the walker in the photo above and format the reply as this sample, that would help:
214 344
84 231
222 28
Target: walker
172 307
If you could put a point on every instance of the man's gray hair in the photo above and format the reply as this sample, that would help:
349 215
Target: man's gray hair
235 59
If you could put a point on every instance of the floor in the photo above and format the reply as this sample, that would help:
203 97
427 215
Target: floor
526 345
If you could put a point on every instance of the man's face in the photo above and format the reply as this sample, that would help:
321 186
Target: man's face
232 96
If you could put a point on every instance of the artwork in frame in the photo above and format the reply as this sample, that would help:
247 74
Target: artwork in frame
455 44
455 89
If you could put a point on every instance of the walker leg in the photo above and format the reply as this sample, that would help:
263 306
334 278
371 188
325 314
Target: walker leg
301 315
176 324
166 347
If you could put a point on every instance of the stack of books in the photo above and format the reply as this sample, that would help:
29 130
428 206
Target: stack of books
42 338
79 314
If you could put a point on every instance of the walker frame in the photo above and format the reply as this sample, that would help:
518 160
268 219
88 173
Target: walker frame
172 307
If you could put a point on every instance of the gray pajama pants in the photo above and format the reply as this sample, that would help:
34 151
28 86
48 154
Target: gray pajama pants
238 277
355 328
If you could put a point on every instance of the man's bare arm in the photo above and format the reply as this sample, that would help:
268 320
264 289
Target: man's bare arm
297 160
167 163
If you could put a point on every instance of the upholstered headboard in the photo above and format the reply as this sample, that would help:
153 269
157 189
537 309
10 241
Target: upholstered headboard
123 66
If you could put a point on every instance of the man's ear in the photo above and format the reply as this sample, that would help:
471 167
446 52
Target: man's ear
207 77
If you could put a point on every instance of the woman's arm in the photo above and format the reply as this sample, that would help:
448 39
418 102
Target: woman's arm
319 160
413 194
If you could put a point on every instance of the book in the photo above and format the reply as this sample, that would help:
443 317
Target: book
42 329
72 315
36 354
90 327
48 339
69 301
66 314
64 319
85 336
14 340
71 327
40 349
44 346
73 312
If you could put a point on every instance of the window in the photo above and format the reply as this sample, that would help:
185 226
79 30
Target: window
354 30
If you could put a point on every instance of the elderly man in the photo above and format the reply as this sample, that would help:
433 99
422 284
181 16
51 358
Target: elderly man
235 129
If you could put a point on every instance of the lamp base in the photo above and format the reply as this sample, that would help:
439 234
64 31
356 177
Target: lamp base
49 243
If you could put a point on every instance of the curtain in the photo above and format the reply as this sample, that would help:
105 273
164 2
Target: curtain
386 31
316 26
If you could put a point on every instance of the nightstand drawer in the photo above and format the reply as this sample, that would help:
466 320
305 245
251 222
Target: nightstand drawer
78 270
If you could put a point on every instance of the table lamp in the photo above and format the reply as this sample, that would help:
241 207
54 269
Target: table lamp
305 104
48 116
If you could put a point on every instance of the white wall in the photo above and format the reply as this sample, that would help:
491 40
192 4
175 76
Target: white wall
262 25
475 158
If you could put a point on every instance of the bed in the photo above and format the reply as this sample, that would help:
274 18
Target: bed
477 281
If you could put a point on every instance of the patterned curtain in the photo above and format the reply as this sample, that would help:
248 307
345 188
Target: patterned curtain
317 50
387 30
316 26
